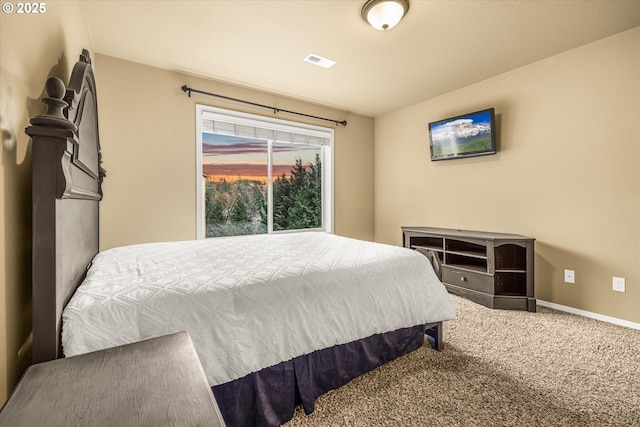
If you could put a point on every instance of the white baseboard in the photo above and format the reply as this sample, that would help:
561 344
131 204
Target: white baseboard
589 314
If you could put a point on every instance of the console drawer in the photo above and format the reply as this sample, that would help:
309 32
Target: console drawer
468 279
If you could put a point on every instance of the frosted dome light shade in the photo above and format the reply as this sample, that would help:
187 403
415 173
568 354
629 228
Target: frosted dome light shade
384 15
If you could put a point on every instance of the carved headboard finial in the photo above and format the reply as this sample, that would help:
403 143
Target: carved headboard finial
85 56
54 117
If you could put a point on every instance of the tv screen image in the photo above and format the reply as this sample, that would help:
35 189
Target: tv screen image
468 135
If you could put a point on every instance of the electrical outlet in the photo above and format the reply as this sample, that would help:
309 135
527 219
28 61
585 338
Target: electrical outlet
569 276
618 284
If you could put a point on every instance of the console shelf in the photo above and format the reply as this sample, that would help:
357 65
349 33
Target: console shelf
492 269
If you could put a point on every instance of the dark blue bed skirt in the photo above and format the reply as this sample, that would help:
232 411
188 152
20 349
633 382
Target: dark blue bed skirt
268 397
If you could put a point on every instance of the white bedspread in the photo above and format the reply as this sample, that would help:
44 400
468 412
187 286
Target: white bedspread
250 302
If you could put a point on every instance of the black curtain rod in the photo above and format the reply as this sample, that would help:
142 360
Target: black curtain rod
187 89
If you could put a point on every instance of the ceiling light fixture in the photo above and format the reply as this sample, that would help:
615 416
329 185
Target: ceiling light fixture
384 14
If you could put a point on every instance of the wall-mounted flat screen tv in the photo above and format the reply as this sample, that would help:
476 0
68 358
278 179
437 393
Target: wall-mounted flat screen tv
468 135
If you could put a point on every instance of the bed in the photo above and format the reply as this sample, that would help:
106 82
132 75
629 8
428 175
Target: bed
277 320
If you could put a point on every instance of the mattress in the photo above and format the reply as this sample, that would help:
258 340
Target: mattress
250 302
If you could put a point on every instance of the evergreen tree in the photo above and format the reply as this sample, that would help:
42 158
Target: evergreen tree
297 200
213 207
239 212
281 202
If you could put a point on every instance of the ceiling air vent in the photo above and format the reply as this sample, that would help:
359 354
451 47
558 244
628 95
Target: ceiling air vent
318 60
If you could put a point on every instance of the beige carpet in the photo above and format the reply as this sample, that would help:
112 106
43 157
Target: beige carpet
499 368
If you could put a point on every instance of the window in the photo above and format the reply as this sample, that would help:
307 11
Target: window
260 175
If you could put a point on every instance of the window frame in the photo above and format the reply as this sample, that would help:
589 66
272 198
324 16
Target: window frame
205 112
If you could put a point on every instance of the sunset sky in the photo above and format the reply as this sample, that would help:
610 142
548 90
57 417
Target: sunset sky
233 158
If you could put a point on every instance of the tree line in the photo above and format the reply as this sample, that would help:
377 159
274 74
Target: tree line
240 207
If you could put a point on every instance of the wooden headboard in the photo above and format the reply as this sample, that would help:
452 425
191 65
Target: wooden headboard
67 189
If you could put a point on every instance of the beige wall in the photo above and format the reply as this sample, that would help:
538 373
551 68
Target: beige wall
32 48
566 174
148 142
